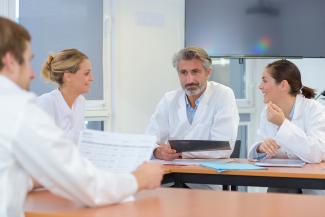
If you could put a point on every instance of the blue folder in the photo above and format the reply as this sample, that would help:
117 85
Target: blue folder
231 166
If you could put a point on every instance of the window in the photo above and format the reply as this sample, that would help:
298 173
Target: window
94 125
232 73
59 24
8 8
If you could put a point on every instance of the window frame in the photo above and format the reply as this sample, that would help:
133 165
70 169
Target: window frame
9 8
94 109
101 110
247 103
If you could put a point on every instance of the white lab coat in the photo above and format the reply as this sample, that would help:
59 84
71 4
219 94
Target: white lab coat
216 118
301 138
70 120
31 145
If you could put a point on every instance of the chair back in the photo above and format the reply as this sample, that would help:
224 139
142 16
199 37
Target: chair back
236 152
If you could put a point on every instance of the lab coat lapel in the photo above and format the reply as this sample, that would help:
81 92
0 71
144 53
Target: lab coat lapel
181 111
298 107
203 106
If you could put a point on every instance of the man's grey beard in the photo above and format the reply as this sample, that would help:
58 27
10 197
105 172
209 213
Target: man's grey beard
196 91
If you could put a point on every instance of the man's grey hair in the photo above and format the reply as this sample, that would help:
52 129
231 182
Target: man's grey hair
190 53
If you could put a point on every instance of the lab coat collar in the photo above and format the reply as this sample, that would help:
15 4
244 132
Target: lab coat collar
203 106
7 84
200 109
298 107
197 101
63 103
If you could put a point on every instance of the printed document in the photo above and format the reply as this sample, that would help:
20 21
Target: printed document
116 152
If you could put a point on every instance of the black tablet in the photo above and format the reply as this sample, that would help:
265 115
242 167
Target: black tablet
198 145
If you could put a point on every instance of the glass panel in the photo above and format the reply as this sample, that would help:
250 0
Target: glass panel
230 72
245 117
60 24
95 125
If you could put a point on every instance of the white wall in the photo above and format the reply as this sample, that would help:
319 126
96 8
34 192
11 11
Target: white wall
312 73
147 34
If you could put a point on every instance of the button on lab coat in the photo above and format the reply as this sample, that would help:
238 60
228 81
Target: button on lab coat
70 120
216 118
32 146
301 138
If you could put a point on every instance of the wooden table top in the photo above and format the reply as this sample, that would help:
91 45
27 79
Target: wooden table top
166 202
314 171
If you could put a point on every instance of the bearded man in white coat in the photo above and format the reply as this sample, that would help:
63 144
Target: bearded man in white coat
198 110
33 150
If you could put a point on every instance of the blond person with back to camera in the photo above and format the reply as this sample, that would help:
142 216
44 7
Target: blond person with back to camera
32 147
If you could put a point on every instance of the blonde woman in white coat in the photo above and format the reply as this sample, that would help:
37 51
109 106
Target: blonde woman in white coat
292 124
71 70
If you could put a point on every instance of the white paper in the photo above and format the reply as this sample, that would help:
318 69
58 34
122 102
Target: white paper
116 152
280 163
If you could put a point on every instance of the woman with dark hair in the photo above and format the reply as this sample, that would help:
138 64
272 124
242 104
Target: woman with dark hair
293 124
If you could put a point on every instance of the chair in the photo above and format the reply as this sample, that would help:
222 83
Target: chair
236 152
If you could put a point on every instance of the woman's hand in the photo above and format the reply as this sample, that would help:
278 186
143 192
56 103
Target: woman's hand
275 114
268 146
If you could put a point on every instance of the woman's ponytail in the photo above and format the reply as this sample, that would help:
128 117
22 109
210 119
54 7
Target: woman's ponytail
308 92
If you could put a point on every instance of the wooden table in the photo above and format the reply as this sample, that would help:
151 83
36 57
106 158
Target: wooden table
183 203
311 176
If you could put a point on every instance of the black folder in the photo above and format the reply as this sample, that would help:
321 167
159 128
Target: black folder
198 145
